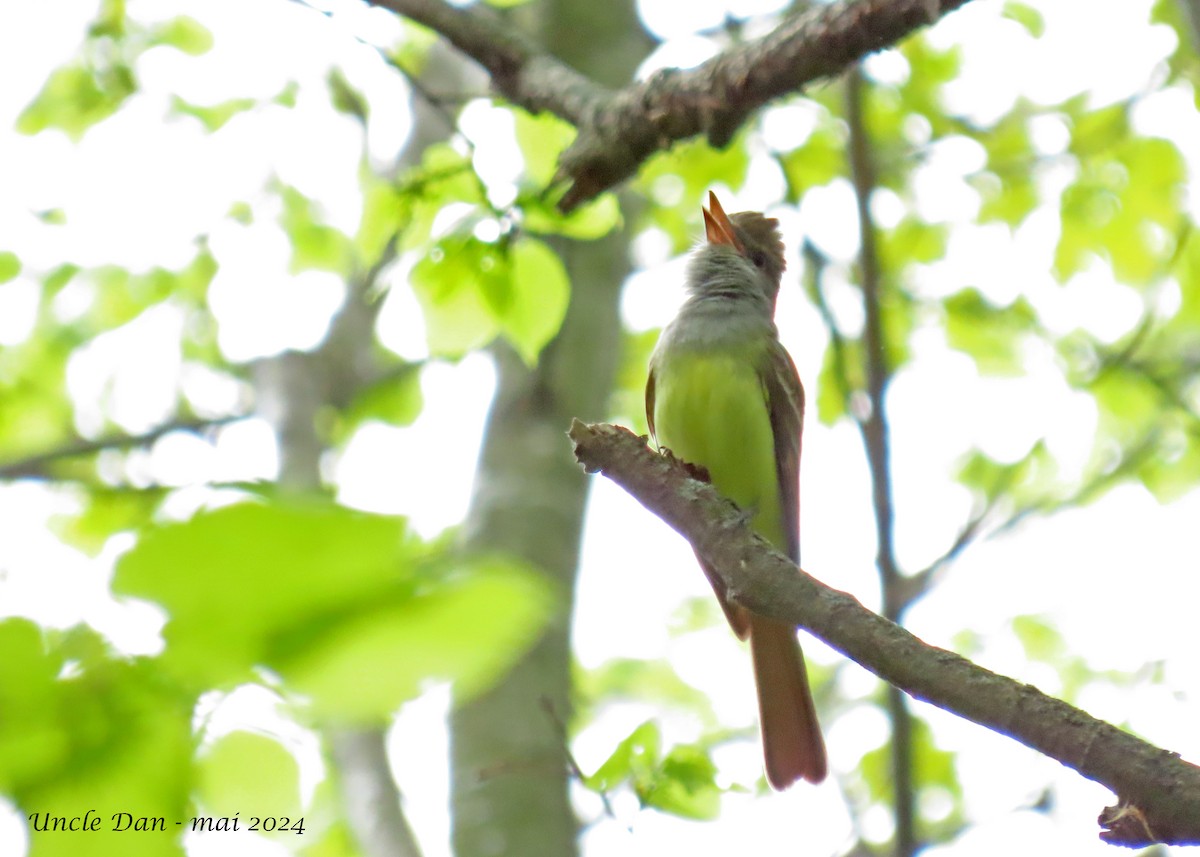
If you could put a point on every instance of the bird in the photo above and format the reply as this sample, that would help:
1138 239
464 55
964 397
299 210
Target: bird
724 394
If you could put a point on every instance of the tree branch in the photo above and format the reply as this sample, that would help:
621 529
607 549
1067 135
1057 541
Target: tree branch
1158 792
38 466
876 437
619 130
371 799
874 425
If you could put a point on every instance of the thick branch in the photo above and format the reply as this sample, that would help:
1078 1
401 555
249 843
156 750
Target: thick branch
521 71
1159 793
619 130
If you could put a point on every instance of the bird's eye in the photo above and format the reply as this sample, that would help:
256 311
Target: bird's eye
759 258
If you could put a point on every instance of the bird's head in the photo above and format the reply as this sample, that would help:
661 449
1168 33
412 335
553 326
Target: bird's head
751 236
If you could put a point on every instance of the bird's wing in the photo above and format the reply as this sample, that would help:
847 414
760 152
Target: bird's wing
739 618
785 401
650 401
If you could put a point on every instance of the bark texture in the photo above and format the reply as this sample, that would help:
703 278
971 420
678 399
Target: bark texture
509 768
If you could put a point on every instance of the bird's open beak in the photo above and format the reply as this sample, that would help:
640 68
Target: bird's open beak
717 226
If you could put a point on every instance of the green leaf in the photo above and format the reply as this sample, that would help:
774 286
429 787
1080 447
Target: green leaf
635 757
52 216
469 630
932 68
1109 211
241 212
1182 62
992 336
687 786
234 580
385 213
31 741
409 206
398 401
38 414
1039 638
213 116
107 735
315 245
937 767
352 611
347 99
10 266
1127 400
471 291
682 783
646 682
243 771
1030 480
677 181
1007 187
74 98
1097 131
110 20
541 138
539 298
122 296
108 511
59 277
450 284
911 241
1175 469
586 223
286 97
832 387
185 33
898 317
335 839
820 160
413 46
1185 323
1027 16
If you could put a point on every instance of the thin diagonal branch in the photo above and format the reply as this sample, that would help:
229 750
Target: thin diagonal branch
618 130
1158 792
38 465
874 425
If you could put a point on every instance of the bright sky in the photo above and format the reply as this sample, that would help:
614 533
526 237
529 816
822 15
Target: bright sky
1118 578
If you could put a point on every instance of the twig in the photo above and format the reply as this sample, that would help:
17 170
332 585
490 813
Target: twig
1163 789
37 466
561 728
618 130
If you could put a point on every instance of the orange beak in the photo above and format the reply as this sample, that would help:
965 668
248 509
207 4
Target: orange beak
717 226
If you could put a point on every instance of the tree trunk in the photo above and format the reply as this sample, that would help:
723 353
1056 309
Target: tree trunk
509 768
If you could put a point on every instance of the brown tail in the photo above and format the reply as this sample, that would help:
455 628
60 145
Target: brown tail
792 742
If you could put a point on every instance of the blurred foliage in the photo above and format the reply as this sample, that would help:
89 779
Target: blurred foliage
94 86
343 615
78 723
681 781
871 783
472 291
352 645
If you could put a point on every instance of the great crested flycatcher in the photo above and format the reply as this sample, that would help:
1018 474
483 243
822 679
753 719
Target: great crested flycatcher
724 393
